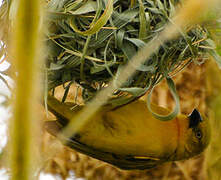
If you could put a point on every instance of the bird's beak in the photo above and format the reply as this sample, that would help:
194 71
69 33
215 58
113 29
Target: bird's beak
194 118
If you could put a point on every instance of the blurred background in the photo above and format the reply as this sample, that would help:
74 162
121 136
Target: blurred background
77 64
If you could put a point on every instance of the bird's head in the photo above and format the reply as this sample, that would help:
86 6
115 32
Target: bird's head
195 135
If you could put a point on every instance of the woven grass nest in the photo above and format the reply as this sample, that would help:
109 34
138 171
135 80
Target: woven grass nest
89 53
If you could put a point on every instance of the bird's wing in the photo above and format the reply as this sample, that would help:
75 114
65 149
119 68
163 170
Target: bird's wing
121 161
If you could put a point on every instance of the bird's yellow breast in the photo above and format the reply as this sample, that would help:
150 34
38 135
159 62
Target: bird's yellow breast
131 129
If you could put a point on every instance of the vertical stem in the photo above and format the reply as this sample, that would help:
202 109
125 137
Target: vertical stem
212 165
83 58
23 125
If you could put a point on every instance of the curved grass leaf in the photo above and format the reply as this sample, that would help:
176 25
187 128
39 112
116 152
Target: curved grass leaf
89 6
176 110
119 21
94 27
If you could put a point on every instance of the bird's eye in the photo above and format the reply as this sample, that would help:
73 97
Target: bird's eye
198 134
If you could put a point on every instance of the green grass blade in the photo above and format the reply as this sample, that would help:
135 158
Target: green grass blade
176 110
95 27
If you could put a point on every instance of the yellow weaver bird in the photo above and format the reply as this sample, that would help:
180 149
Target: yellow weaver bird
129 137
